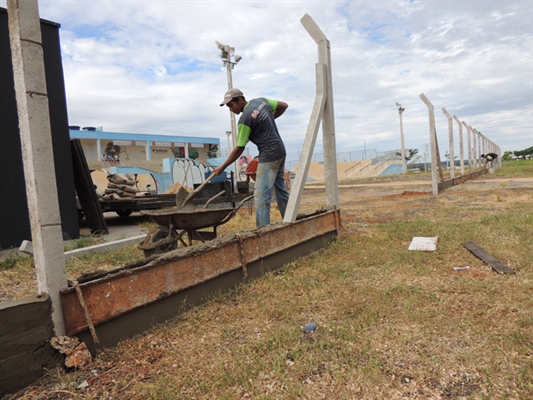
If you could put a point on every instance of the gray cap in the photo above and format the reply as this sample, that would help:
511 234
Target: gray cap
230 95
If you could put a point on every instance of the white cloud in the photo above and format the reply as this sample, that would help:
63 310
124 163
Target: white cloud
153 67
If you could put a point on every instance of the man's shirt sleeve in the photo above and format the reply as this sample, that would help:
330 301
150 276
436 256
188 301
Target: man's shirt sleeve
273 104
243 135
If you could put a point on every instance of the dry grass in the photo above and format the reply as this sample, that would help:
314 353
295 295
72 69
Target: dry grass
392 324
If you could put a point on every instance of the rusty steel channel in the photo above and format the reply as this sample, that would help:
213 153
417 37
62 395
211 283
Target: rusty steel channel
160 277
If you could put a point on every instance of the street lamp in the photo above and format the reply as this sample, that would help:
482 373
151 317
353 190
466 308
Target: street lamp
404 164
226 54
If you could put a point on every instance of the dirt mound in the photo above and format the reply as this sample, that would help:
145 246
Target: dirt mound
409 194
175 188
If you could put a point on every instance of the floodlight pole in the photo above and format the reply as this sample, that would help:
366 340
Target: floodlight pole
404 164
226 54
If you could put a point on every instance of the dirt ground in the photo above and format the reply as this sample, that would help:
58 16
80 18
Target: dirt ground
362 205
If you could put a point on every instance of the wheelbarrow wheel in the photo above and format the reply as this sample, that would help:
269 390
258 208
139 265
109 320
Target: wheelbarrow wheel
160 235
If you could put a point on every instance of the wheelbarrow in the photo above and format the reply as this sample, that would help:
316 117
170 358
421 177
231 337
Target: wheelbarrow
175 223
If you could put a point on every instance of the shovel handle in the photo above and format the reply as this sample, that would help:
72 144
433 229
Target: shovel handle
191 195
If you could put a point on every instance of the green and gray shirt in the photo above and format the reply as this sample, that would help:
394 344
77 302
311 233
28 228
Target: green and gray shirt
258 126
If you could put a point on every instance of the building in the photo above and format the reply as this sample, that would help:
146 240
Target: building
140 147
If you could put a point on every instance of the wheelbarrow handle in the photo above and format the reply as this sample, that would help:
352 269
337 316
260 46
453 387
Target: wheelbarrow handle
213 198
232 213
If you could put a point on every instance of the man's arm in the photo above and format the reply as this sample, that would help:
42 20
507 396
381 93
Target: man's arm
234 155
280 109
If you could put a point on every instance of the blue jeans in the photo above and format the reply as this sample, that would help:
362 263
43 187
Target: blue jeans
269 175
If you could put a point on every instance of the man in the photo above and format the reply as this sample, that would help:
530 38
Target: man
490 157
257 125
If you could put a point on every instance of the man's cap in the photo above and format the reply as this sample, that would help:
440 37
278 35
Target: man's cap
230 95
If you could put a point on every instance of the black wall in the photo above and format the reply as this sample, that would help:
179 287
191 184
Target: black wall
14 217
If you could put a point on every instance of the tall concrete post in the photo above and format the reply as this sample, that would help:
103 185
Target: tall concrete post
37 152
474 151
328 118
479 148
433 144
309 144
461 148
469 147
450 142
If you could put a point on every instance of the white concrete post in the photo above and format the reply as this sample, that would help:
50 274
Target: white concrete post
433 144
297 189
461 148
99 150
469 147
148 150
328 118
474 152
450 141
479 137
37 152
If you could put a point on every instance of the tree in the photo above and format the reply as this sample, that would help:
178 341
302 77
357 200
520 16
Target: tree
409 154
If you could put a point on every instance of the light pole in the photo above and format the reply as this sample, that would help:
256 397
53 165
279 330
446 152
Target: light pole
404 164
226 54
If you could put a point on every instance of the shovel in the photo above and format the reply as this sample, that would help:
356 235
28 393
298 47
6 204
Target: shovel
182 205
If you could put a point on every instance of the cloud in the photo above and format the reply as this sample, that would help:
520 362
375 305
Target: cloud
153 67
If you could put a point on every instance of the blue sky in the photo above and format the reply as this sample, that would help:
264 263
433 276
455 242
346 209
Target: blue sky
153 66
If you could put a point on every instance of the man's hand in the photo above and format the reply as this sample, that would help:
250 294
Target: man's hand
218 170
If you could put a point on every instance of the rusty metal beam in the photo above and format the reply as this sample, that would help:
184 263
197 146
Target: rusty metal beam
159 277
461 179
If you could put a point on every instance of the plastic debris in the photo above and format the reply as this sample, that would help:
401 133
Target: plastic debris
309 328
461 268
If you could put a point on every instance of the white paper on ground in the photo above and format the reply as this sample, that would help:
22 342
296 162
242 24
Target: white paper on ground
424 243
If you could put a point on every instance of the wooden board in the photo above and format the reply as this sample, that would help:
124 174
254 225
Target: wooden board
484 256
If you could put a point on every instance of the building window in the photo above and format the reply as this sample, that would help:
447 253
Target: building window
163 144
140 143
122 142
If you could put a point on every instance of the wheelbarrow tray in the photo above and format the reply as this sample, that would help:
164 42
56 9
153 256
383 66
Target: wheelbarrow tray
192 219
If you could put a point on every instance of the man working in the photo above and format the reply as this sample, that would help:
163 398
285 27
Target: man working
490 157
257 125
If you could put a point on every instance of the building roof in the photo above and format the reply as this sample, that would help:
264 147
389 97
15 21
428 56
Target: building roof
99 134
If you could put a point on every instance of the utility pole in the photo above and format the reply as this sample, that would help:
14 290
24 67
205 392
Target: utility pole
404 164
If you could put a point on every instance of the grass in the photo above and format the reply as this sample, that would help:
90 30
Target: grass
391 323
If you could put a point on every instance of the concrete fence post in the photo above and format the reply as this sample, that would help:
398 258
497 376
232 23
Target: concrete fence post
433 144
309 144
461 147
474 148
37 152
469 144
328 117
450 141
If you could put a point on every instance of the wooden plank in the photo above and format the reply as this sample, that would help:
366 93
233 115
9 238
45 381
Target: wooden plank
85 190
486 257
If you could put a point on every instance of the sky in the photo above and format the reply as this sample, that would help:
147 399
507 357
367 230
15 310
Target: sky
153 67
